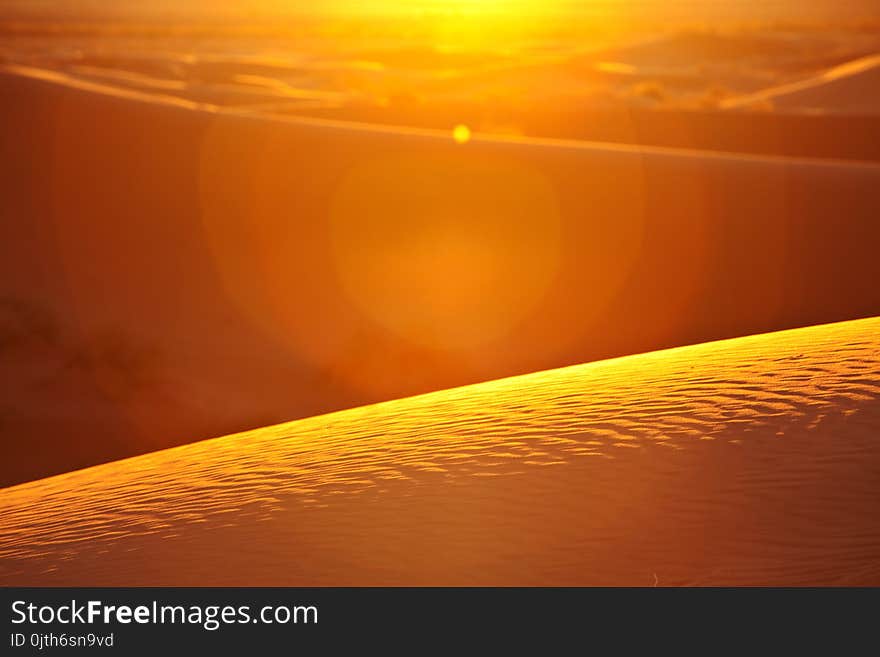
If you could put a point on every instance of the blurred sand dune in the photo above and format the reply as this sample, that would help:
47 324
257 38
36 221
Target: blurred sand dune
850 88
207 270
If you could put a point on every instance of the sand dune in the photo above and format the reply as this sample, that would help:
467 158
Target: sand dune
800 135
749 461
851 88
206 271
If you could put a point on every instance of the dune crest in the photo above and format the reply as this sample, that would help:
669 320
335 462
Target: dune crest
850 88
747 461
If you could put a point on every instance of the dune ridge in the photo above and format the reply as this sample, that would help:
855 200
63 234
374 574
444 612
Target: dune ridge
741 462
849 88
382 121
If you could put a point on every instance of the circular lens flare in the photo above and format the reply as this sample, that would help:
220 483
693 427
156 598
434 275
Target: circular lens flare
446 252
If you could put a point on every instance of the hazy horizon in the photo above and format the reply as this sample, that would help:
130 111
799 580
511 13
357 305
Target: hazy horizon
674 10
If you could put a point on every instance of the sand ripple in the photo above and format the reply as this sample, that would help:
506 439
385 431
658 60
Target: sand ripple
747 461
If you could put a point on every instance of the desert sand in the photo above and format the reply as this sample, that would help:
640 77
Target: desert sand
752 461
172 270
850 88
389 232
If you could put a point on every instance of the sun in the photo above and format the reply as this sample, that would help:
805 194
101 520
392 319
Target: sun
461 134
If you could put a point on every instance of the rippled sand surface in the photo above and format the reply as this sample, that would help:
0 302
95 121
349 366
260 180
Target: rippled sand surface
747 461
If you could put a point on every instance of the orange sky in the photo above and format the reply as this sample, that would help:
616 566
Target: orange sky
671 9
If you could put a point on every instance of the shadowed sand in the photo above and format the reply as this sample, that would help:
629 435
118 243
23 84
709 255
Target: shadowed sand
748 461
171 271
851 88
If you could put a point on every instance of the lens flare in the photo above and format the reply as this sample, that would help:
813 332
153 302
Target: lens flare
445 253
461 134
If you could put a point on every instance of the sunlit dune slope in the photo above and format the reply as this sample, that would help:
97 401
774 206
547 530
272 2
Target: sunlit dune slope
851 88
748 461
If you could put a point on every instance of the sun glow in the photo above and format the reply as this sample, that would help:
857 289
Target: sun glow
452 6
465 22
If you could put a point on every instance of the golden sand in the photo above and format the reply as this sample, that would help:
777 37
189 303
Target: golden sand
747 461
